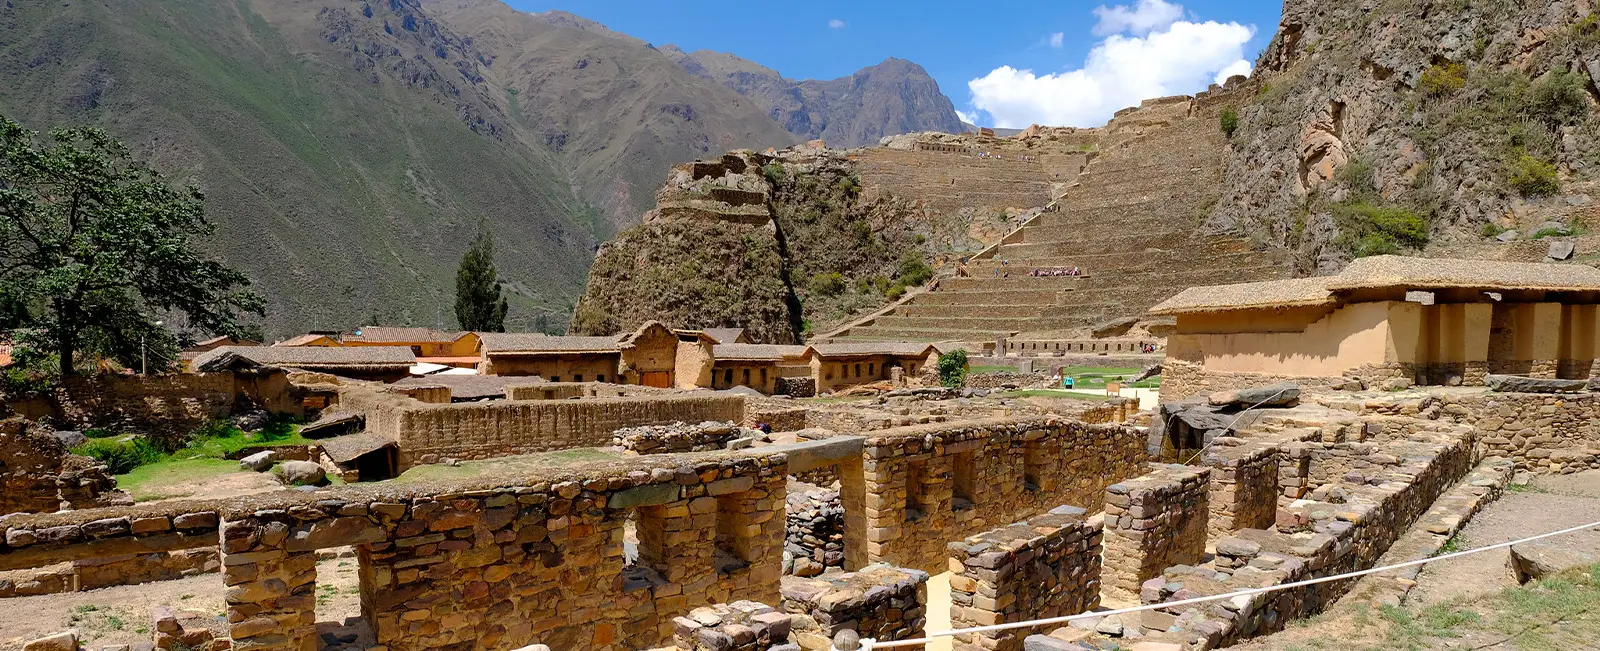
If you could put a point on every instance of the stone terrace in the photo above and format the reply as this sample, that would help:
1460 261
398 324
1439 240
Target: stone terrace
1128 225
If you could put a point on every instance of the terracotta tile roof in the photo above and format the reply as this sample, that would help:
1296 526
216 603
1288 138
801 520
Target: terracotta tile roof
757 352
503 343
300 340
388 335
310 357
5 354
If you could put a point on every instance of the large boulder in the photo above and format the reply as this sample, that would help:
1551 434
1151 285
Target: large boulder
302 473
260 461
1282 394
1561 250
67 641
1520 384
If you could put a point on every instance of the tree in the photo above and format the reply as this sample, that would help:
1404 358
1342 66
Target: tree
953 368
99 244
479 304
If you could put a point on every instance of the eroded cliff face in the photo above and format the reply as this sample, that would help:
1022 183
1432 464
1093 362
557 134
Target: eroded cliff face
769 242
1385 124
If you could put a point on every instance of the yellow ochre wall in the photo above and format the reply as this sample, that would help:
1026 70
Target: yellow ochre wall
562 368
1229 342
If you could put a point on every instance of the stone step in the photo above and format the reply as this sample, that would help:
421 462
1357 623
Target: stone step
1102 264
996 323
989 297
1018 279
923 334
918 310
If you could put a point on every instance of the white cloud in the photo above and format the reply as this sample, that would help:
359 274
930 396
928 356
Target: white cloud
969 118
1141 19
1240 67
1121 70
836 24
1056 38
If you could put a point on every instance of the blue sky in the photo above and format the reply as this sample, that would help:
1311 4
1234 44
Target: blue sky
1049 62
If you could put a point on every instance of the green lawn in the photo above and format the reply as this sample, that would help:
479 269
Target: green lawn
221 447
147 483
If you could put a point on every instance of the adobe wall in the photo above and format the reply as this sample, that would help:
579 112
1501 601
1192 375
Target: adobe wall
1047 566
558 368
494 562
929 484
499 428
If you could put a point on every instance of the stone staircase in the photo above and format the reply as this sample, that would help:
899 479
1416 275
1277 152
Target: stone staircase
1128 224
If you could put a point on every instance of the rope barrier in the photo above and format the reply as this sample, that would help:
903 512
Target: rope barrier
869 644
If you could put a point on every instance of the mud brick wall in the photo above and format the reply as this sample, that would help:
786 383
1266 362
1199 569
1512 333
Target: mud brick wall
1047 566
1154 522
1244 486
880 601
1541 432
499 428
927 485
781 419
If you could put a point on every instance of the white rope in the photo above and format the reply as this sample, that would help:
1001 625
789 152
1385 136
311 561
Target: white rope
1230 595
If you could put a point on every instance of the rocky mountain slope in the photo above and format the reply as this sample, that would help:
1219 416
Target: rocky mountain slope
1398 125
893 97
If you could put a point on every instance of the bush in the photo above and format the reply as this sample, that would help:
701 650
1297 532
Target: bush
914 270
895 292
1229 121
827 284
1443 79
121 457
773 171
1377 230
1532 177
1558 98
953 368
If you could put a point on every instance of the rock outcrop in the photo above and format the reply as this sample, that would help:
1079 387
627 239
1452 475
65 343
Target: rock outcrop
39 475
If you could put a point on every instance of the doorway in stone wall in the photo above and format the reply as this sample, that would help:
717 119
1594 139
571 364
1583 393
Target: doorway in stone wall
657 379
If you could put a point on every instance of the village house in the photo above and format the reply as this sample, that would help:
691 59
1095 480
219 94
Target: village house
1387 319
453 349
376 363
187 355
757 366
729 335
648 356
841 365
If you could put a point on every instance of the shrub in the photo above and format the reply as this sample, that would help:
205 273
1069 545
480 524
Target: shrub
895 292
1443 79
953 368
1558 98
914 270
1532 177
849 185
1377 230
829 283
773 171
1229 121
120 457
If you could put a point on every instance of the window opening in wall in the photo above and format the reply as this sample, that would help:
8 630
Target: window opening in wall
916 499
644 548
1032 466
727 378
763 377
577 378
747 377
555 378
827 373
733 551
600 378
858 369
872 369
962 488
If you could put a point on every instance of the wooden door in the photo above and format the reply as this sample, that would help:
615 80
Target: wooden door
657 379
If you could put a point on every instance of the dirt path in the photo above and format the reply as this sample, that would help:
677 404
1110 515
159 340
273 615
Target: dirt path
121 614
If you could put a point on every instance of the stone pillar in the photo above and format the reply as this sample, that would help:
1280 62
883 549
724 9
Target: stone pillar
271 597
1541 325
1154 522
1047 566
853 498
1476 321
1244 488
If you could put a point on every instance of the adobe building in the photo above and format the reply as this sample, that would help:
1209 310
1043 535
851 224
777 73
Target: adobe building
1427 321
456 349
649 356
757 366
376 363
188 355
842 365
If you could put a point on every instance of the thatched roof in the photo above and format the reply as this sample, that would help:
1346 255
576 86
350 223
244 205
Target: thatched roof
307 357
756 352
332 421
1385 272
1296 292
344 449
858 349
517 343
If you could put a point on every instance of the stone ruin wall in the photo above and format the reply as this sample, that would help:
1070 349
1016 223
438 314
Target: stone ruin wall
1541 432
927 485
170 404
501 565
1047 566
427 433
879 601
1244 486
1181 379
1153 522
39 475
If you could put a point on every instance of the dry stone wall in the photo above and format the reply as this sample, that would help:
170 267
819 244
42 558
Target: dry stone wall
1154 522
1540 432
96 573
684 437
739 626
879 601
1046 566
927 485
1244 485
38 475
815 530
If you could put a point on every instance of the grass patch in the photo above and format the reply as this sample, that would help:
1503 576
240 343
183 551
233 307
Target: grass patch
1052 393
146 482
